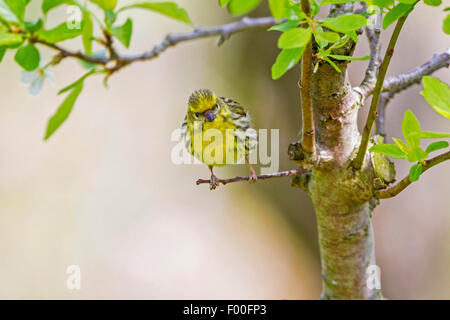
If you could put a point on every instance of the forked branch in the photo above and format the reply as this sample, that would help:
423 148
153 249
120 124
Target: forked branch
396 84
223 31
359 160
401 82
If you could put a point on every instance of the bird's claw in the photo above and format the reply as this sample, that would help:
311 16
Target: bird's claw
213 183
253 177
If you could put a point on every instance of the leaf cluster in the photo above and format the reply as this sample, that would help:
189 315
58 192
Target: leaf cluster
437 94
25 38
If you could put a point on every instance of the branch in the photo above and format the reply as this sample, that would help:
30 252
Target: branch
403 81
405 182
396 84
358 162
74 54
224 31
373 35
308 134
380 122
260 177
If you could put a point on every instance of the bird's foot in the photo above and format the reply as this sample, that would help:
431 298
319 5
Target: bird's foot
253 177
213 182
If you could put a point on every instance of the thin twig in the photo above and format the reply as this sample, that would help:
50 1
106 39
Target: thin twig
359 160
405 182
308 134
260 177
74 54
224 31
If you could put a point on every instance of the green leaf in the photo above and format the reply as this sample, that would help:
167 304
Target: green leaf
34 26
278 8
223 3
315 7
407 1
415 172
434 3
105 4
88 31
48 5
123 33
168 9
28 57
390 150
293 12
78 82
18 7
380 3
60 33
339 57
294 38
6 13
345 24
403 146
63 111
10 39
327 36
332 64
2 52
324 2
437 95
411 129
110 18
436 146
285 26
446 24
240 7
396 13
417 154
433 135
285 61
354 36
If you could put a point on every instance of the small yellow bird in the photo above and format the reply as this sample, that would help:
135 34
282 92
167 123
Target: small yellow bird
226 122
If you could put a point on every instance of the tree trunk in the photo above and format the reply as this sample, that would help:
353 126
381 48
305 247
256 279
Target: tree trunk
347 249
342 197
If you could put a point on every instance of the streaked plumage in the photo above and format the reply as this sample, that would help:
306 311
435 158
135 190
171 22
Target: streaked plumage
207 111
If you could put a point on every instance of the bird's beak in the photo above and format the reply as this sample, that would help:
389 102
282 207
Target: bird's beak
210 116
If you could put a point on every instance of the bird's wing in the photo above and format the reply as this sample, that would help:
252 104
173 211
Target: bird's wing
235 107
241 119
186 135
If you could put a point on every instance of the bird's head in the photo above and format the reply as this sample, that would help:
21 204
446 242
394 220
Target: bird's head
202 103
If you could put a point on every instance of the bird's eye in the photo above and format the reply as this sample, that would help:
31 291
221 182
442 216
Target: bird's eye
197 114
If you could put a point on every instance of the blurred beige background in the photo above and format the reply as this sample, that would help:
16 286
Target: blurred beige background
103 194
